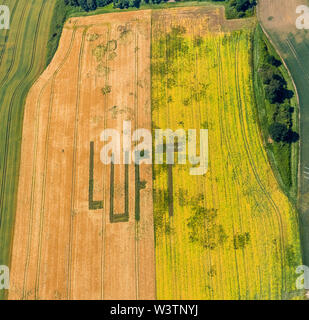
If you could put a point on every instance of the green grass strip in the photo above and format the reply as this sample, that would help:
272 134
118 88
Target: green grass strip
93 205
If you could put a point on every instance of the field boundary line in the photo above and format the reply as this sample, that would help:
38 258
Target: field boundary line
78 91
8 126
255 172
45 169
5 78
7 34
297 97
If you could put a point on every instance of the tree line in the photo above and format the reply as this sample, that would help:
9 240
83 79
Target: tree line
90 5
239 8
236 8
278 94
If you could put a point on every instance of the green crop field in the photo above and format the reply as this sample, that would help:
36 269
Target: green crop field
22 60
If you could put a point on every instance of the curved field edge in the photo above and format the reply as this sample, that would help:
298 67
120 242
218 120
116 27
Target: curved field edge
22 62
293 46
283 158
63 13
232 234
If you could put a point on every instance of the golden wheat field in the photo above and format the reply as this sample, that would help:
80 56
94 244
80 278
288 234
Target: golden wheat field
76 232
230 234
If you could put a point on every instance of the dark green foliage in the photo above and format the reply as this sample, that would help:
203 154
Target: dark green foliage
273 61
281 133
282 155
291 257
58 20
121 217
240 8
277 94
170 190
137 193
278 132
73 3
266 74
204 230
93 205
92 4
84 5
87 5
136 3
125 4
241 240
275 91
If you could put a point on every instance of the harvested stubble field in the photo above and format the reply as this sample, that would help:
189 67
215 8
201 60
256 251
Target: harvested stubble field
231 234
70 242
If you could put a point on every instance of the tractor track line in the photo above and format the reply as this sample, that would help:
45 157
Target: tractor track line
8 127
7 34
16 41
255 172
33 184
45 167
80 65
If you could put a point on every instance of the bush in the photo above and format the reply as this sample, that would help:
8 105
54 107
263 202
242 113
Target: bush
279 132
266 74
273 61
276 91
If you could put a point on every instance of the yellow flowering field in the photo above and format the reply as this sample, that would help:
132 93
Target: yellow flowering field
232 233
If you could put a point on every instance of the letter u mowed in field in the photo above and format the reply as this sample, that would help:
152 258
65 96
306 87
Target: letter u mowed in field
133 159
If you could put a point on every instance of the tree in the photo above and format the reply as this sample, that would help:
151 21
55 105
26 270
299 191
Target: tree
280 79
74 3
84 5
279 132
103 3
266 74
242 5
136 3
92 4
292 136
204 230
273 61
275 92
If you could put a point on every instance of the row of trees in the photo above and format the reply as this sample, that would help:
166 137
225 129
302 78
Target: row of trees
90 5
277 93
240 8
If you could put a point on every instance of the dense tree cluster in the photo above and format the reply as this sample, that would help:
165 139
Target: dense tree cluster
124 4
204 229
241 8
237 8
277 93
88 5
